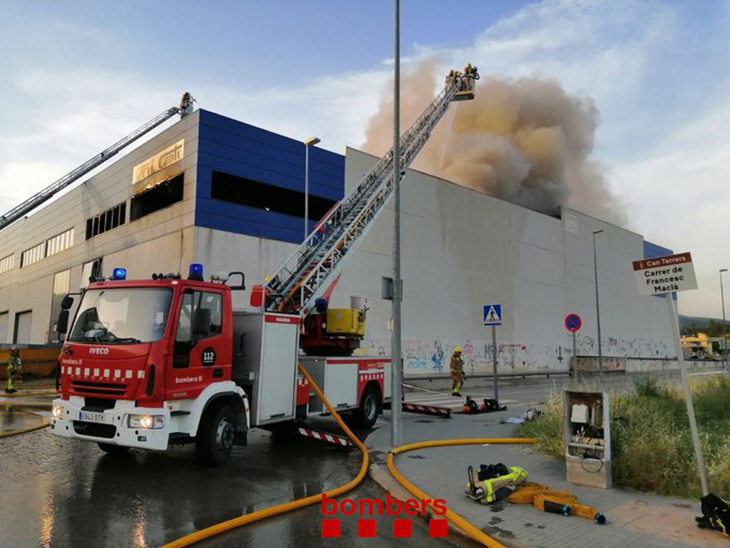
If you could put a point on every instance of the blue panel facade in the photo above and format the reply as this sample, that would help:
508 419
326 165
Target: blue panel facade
242 150
652 251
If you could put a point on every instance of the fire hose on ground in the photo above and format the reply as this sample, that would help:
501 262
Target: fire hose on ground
44 424
457 520
21 403
234 523
466 526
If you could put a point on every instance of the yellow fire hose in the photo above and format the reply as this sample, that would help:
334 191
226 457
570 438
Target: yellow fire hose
17 403
219 528
26 403
25 393
44 424
473 531
234 523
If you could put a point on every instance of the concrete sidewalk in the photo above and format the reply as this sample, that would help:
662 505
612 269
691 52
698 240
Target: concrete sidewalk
634 519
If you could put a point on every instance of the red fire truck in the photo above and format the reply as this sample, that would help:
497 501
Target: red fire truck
166 360
153 362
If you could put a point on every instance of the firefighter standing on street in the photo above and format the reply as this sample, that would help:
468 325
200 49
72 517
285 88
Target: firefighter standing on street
457 372
14 365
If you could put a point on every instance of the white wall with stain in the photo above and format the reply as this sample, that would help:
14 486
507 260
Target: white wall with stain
463 249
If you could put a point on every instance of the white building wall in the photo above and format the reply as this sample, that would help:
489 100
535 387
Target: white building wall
463 249
155 242
631 326
224 252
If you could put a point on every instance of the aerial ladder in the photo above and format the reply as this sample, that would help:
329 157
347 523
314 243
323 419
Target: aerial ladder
311 269
185 108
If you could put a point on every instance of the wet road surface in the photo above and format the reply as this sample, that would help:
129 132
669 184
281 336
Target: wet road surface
60 492
13 418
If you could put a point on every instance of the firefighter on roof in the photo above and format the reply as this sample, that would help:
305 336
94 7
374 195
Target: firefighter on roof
457 372
14 365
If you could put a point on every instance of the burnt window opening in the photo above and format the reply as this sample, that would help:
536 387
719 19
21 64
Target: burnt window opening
247 192
111 218
158 197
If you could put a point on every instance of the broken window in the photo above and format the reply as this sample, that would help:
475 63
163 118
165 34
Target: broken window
158 197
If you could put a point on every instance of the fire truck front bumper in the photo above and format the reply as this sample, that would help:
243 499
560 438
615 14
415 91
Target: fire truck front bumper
145 428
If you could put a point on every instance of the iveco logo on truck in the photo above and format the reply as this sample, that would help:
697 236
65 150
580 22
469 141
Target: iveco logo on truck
99 351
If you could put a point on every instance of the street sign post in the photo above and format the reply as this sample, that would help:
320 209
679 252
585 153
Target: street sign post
573 323
492 316
662 276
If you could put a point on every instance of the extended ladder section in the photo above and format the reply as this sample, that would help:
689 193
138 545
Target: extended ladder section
185 108
306 275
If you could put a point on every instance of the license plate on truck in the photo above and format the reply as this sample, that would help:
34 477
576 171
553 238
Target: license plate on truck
91 416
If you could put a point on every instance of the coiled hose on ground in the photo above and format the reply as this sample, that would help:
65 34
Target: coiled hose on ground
466 526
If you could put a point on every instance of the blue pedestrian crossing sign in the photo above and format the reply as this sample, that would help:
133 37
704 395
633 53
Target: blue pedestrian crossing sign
492 314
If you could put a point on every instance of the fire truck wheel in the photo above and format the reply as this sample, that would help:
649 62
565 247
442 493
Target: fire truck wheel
367 413
113 449
215 435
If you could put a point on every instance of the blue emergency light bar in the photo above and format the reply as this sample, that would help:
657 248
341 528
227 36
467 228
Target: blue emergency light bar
119 274
196 272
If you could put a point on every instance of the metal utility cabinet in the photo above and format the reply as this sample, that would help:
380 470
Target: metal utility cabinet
587 435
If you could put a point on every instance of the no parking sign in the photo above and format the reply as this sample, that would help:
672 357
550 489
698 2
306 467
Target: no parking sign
573 322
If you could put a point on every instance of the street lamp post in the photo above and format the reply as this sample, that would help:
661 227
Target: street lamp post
307 144
724 334
598 305
396 426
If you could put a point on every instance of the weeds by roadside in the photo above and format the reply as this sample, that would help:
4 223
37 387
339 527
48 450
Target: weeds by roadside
650 438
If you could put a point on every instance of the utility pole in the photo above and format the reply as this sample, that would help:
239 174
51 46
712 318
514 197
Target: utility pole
598 305
396 426
724 328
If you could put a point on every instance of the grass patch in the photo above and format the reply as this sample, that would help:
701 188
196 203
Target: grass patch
650 438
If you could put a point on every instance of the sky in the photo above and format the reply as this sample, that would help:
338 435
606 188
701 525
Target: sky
75 76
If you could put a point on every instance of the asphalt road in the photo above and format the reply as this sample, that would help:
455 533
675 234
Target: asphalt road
62 493
58 492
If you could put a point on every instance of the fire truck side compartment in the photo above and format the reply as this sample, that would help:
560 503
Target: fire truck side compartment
339 382
265 363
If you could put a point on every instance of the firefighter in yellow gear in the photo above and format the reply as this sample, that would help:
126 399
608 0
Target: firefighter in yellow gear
457 372
494 483
14 365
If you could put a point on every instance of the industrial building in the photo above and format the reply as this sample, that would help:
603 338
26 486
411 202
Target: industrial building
223 193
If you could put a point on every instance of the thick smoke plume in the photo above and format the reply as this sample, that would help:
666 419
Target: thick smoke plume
525 140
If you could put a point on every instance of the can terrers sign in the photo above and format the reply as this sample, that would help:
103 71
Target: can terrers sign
665 274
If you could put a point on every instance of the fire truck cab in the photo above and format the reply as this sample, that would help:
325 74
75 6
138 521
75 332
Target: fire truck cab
148 363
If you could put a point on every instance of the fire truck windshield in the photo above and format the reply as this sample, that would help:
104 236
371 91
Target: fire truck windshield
122 315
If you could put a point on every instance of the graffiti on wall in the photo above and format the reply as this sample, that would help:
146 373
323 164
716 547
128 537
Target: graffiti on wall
424 357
